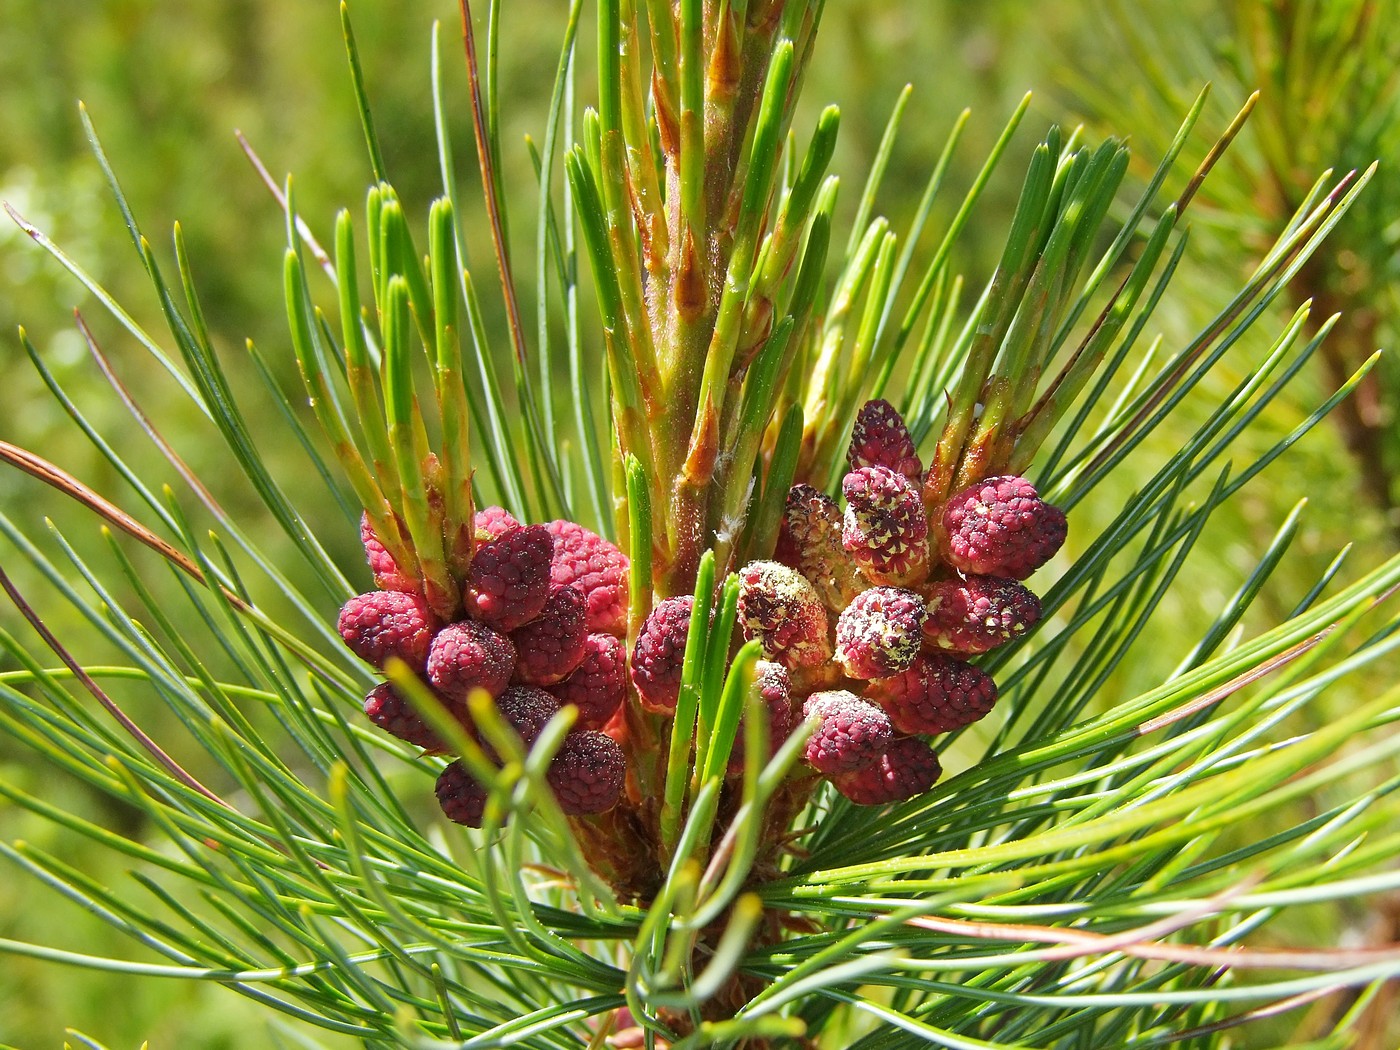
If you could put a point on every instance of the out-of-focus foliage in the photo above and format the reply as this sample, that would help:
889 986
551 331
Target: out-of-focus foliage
1328 75
166 84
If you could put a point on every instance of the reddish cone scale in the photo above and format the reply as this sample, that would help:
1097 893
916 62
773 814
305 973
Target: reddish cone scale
551 645
1001 527
850 733
462 799
880 439
467 655
587 773
526 710
508 582
596 569
779 607
660 649
978 614
809 541
598 684
773 689
937 694
880 632
492 522
885 530
387 574
908 768
387 709
382 624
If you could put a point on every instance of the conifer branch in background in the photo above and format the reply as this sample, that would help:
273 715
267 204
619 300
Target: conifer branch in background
1328 100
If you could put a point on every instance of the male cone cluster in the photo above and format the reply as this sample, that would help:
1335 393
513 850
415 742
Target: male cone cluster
543 609
874 611
868 617
910 592
660 651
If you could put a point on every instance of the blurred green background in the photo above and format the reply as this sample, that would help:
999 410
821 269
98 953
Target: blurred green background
166 82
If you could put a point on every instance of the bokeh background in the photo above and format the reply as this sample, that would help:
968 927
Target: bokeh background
167 82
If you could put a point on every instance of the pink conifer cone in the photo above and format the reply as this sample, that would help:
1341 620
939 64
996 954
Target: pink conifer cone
526 710
551 645
850 732
461 797
387 574
659 652
1001 527
492 522
978 613
936 694
468 655
908 768
885 530
387 709
880 439
773 689
508 582
809 540
381 624
596 569
598 684
880 632
779 607
587 773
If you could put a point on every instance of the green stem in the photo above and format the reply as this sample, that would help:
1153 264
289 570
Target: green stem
768 515
361 370
423 519
687 704
1022 245
698 471
380 510
692 121
713 682
449 383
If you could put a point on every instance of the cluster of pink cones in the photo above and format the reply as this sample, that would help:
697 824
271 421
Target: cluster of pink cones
874 612
867 618
543 611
